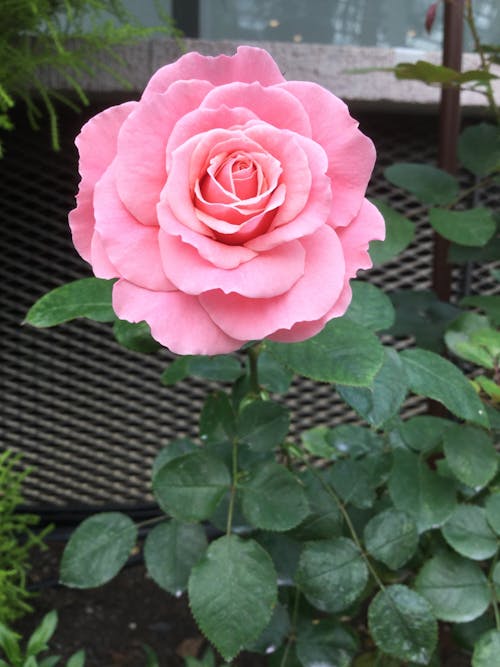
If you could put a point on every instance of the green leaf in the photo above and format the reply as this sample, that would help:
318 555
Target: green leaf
217 419
173 450
467 634
285 553
432 376
49 661
232 593
456 588
273 499
422 315
39 640
354 441
402 624
344 353
422 70
382 400
9 643
151 657
460 339
332 574
263 425
468 533
399 233
324 519
490 304
77 659
391 537
221 368
273 375
314 441
487 650
97 550
428 184
473 227
352 483
370 307
479 148
190 487
461 254
171 550
492 506
273 634
325 642
425 433
420 492
88 297
471 455
136 337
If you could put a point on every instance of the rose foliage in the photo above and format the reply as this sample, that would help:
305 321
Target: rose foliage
228 202
229 205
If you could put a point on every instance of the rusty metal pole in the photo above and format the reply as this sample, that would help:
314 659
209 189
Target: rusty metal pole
449 127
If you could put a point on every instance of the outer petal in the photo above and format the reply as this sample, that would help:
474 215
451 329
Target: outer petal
97 147
267 275
101 264
351 155
273 105
177 320
368 226
304 330
309 299
131 247
248 64
141 167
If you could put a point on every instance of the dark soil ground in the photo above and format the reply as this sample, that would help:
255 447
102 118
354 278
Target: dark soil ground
113 622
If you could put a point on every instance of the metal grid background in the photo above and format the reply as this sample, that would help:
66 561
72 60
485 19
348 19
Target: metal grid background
87 414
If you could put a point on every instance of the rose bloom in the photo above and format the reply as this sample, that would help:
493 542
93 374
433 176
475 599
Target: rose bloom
228 202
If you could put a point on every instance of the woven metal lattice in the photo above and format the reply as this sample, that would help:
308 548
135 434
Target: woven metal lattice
87 414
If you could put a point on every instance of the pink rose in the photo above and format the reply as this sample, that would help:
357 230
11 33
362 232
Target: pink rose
228 202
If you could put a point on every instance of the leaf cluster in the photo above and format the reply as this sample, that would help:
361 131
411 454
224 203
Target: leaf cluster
73 38
17 539
37 643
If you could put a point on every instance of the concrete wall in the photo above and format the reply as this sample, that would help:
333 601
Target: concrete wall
322 63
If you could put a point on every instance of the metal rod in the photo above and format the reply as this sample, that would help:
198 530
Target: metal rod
449 127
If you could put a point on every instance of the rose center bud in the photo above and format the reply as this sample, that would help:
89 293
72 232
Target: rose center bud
239 175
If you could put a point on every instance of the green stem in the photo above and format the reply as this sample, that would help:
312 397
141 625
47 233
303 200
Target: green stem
494 593
349 523
232 497
253 358
469 17
293 629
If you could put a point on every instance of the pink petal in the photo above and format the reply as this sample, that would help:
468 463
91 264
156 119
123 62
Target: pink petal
248 64
309 299
267 275
97 140
271 105
315 211
190 161
97 146
132 248
368 226
203 121
304 330
141 165
177 320
101 264
351 155
217 253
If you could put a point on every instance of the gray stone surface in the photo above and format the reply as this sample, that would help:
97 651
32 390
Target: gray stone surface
326 64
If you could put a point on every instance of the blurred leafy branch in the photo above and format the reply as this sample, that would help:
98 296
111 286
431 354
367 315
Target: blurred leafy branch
74 38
